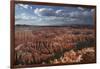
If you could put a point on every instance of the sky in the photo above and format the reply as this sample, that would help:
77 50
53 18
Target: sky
43 15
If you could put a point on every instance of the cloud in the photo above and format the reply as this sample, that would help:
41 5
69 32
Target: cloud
24 12
44 12
30 7
75 14
36 11
62 12
86 13
50 12
81 8
25 16
92 10
22 16
59 11
80 14
24 6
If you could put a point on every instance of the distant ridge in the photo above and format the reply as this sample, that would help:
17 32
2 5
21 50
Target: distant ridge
69 25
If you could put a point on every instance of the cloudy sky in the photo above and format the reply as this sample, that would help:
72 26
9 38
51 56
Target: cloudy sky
52 15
